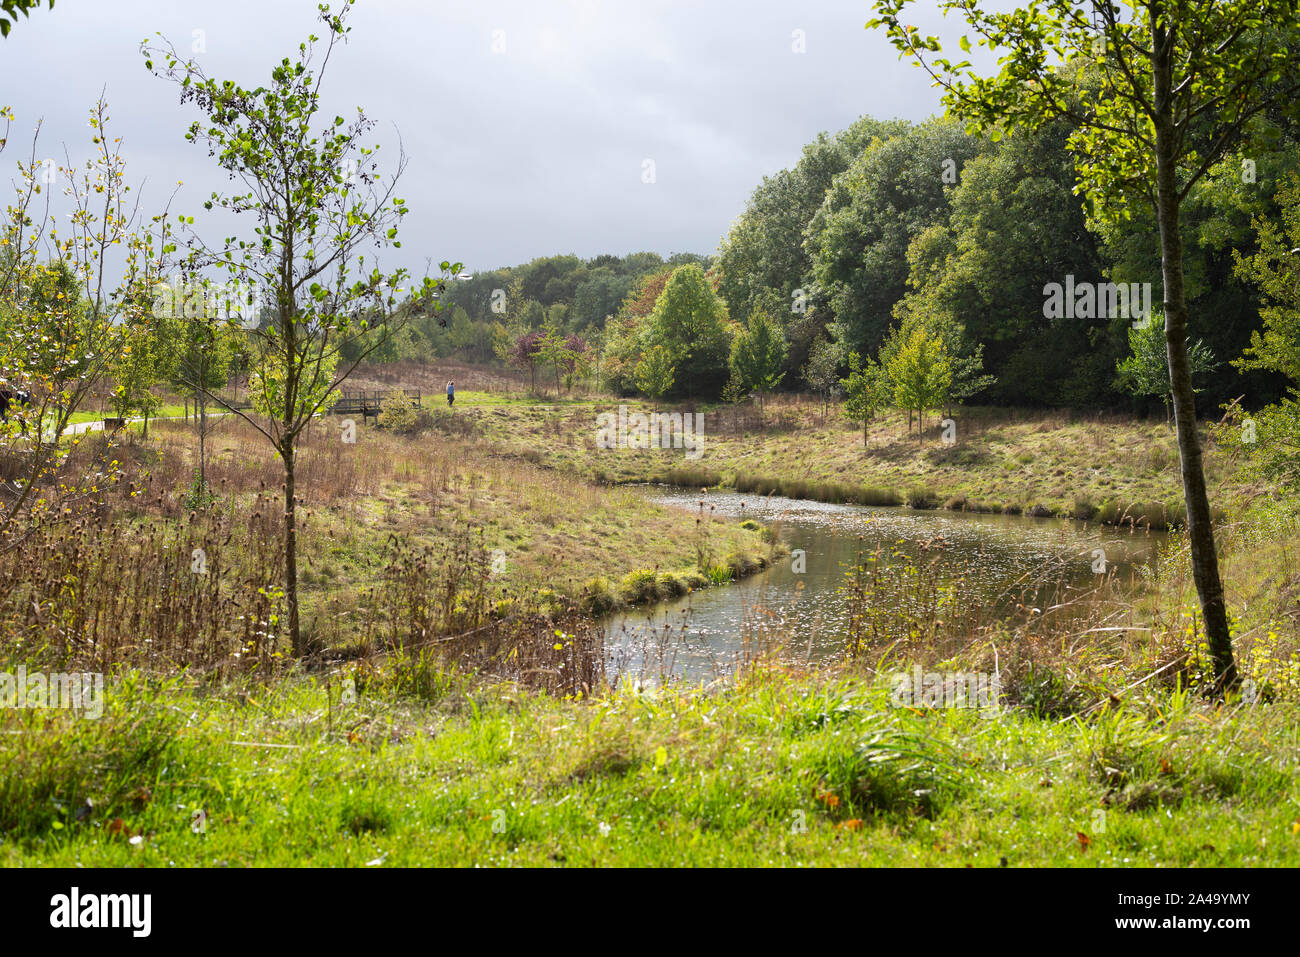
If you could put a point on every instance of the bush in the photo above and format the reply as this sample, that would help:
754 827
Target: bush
671 586
918 496
639 587
398 414
598 597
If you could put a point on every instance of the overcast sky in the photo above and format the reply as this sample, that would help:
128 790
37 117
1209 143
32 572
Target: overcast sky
525 142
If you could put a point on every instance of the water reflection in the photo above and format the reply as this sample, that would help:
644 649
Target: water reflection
1009 563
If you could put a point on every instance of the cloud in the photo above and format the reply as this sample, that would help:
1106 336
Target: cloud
532 148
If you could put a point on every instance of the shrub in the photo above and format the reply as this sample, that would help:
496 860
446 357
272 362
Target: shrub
918 496
670 585
639 586
398 414
598 597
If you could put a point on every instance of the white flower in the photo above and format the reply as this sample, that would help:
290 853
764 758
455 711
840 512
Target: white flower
604 829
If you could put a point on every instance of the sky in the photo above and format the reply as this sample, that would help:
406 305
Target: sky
530 126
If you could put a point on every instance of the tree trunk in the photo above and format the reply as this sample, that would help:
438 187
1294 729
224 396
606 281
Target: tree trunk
291 547
203 457
1200 531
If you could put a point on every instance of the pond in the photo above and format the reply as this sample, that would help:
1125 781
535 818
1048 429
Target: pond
1008 565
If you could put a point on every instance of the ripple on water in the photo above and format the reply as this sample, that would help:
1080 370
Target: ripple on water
1007 561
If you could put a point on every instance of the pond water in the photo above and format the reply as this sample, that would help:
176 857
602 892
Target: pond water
1008 563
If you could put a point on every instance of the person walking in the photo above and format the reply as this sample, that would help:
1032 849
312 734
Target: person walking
451 393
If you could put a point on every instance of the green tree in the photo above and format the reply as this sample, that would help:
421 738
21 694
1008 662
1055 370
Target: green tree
866 392
398 413
690 321
757 353
1275 270
655 372
598 298
138 364
822 372
204 346
61 318
320 205
1272 434
858 239
921 374
1176 86
1145 371
1014 221
762 260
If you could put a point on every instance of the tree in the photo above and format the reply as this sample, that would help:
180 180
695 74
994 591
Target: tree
763 257
575 359
655 372
598 298
757 353
921 374
1273 438
965 360
822 373
690 321
865 391
398 413
563 353
1178 83
858 239
60 318
1146 369
318 200
1275 271
203 348
1012 220
137 365
526 351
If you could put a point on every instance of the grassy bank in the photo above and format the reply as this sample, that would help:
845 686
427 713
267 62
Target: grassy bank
426 768
1109 469
392 526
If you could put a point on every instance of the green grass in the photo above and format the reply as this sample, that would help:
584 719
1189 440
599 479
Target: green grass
427 768
166 411
1004 460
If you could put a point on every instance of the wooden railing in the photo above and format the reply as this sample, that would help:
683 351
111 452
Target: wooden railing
368 403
